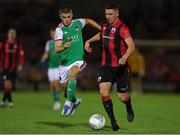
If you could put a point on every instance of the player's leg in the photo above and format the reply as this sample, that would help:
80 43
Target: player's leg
69 74
74 100
107 103
55 94
71 87
53 75
7 92
105 80
125 98
2 103
7 83
122 87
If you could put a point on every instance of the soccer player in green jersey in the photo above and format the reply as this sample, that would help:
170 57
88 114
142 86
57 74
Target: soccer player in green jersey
53 69
69 43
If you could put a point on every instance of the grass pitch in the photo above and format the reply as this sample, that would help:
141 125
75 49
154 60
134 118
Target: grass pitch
32 113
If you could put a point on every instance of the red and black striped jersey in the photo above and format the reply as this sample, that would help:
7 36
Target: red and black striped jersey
12 54
113 43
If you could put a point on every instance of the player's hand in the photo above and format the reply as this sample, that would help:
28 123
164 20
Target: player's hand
122 60
68 43
87 47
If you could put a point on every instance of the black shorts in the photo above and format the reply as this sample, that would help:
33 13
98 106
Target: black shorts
9 75
120 75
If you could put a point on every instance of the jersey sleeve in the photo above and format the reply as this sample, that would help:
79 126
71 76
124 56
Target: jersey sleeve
58 34
82 22
124 32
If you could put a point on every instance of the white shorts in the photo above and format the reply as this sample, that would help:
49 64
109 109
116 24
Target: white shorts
53 74
64 70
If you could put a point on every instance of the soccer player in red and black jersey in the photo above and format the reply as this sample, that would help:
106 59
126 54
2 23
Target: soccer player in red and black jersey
117 46
12 58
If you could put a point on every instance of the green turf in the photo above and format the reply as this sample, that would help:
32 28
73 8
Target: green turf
32 113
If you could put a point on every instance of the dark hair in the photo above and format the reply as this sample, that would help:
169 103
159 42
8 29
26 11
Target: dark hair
65 10
112 5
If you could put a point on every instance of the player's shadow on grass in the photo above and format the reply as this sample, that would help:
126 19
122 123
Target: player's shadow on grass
106 128
55 124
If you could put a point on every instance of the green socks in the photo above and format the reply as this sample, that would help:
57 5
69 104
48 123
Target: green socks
71 87
56 95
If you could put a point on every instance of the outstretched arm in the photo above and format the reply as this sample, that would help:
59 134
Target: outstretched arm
95 38
92 23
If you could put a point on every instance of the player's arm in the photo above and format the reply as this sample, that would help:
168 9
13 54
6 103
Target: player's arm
46 52
59 46
125 34
44 56
95 38
92 23
131 47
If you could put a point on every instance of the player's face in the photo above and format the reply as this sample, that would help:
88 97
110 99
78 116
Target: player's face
12 34
111 15
66 18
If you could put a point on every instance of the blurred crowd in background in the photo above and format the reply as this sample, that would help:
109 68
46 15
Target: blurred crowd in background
154 19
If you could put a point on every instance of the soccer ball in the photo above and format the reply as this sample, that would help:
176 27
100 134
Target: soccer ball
96 121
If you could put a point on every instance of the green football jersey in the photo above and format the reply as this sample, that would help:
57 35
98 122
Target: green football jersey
53 57
74 31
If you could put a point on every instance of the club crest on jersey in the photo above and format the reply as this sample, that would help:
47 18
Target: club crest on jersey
113 30
76 27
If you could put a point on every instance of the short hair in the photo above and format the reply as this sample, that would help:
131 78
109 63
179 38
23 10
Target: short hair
112 5
65 10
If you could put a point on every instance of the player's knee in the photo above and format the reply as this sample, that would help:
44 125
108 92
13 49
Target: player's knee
104 93
72 75
124 97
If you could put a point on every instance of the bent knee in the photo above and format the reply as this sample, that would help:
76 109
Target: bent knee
73 72
124 97
104 92
72 76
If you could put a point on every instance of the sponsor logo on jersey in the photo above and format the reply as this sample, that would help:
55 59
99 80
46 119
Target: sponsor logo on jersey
113 30
108 37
